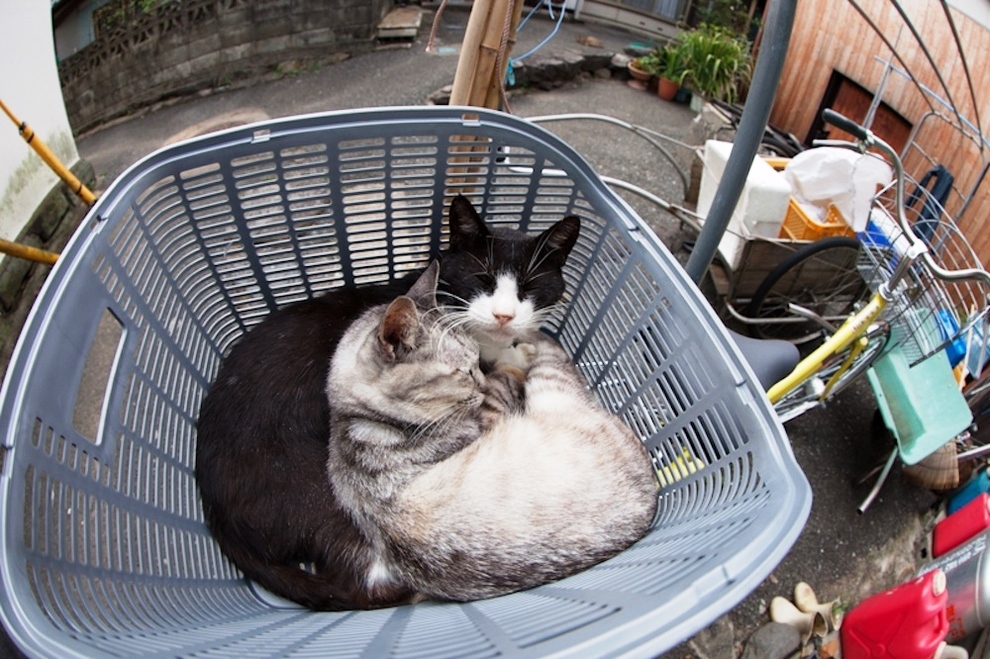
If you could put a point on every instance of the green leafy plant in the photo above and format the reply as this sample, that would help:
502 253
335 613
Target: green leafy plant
731 14
674 66
716 62
653 62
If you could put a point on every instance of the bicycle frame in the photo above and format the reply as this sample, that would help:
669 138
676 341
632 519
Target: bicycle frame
856 326
851 331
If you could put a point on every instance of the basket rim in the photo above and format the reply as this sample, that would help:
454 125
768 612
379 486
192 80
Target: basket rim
741 573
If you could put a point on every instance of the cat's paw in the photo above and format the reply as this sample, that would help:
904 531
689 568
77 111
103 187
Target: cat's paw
546 348
516 359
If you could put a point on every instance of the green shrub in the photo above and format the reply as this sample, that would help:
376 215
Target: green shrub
715 62
653 62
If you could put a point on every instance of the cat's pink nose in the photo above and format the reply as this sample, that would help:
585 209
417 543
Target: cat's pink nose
503 319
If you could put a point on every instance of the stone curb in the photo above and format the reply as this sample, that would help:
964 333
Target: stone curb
548 72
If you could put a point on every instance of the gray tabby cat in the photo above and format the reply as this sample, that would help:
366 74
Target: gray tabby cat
469 485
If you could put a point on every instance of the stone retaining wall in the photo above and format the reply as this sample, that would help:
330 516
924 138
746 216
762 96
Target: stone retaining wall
180 47
50 228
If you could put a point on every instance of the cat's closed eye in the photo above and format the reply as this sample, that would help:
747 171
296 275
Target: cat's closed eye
529 286
469 374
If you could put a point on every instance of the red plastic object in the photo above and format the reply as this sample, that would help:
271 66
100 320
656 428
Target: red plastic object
962 525
906 622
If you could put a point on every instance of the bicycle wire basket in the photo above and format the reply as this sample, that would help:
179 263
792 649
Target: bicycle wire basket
927 314
105 551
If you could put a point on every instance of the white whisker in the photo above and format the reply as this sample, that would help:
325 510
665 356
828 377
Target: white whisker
456 298
538 263
484 266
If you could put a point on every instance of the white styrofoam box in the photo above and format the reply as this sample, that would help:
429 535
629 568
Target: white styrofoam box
764 199
733 244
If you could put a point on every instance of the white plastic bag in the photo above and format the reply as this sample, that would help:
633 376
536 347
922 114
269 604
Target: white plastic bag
831 175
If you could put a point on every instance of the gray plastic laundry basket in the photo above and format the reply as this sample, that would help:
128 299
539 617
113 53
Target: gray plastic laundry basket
105 551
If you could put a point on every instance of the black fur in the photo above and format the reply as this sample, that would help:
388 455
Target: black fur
263 428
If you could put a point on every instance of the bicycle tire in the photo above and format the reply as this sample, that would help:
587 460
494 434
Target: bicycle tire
820 276
808 394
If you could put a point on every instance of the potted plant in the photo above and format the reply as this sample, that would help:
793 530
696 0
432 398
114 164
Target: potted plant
716 61
646 67
637 71
672 73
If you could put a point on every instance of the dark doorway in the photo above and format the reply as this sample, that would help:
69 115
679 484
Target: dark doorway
853 100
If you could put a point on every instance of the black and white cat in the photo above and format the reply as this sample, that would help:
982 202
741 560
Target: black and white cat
466 484
514 279
262 431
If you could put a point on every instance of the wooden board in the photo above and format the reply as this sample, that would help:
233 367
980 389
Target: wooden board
832 36
401 23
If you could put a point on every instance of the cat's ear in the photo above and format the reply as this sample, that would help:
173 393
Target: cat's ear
424 291
559 239
466 226
398 329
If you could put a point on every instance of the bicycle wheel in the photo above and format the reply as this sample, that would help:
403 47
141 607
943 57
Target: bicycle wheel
820 276
812 392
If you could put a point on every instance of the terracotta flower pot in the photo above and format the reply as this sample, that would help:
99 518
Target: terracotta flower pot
667 89
638 74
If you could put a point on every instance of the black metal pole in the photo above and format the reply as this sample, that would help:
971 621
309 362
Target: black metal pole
752 124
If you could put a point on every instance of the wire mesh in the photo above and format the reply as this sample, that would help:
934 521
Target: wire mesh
927 313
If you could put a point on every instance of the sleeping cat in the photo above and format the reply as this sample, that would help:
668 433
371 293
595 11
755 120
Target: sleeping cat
470 485
521 276
262 431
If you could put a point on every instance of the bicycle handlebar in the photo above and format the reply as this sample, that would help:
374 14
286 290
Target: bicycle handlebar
919 248
844 123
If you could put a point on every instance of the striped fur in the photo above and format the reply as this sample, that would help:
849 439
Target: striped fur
261 449
470 485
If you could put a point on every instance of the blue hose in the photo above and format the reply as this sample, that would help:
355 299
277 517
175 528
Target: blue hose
510 77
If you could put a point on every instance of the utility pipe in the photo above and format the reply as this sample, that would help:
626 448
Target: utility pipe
27 252
752 124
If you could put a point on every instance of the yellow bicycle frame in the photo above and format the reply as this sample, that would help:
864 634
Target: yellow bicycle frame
853 330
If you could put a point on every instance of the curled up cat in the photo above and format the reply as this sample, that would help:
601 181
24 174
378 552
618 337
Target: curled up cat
261 453
469 485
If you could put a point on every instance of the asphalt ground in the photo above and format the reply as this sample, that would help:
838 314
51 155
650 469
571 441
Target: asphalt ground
840 552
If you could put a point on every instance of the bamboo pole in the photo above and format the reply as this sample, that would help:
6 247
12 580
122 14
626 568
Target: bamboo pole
50 158
483 61
495 88
488 51
467 62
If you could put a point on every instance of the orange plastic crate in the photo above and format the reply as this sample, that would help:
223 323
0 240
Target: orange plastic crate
798 225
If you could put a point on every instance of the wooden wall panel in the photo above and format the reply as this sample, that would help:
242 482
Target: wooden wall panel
832 35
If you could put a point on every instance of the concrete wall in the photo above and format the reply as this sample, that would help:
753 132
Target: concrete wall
29 86
181 47
74 34
978 10
637 21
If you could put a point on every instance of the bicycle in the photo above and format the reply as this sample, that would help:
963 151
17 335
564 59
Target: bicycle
926 307
870 299
801 317
901 269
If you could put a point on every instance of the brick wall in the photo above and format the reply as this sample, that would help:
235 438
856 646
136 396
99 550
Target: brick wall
181 47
